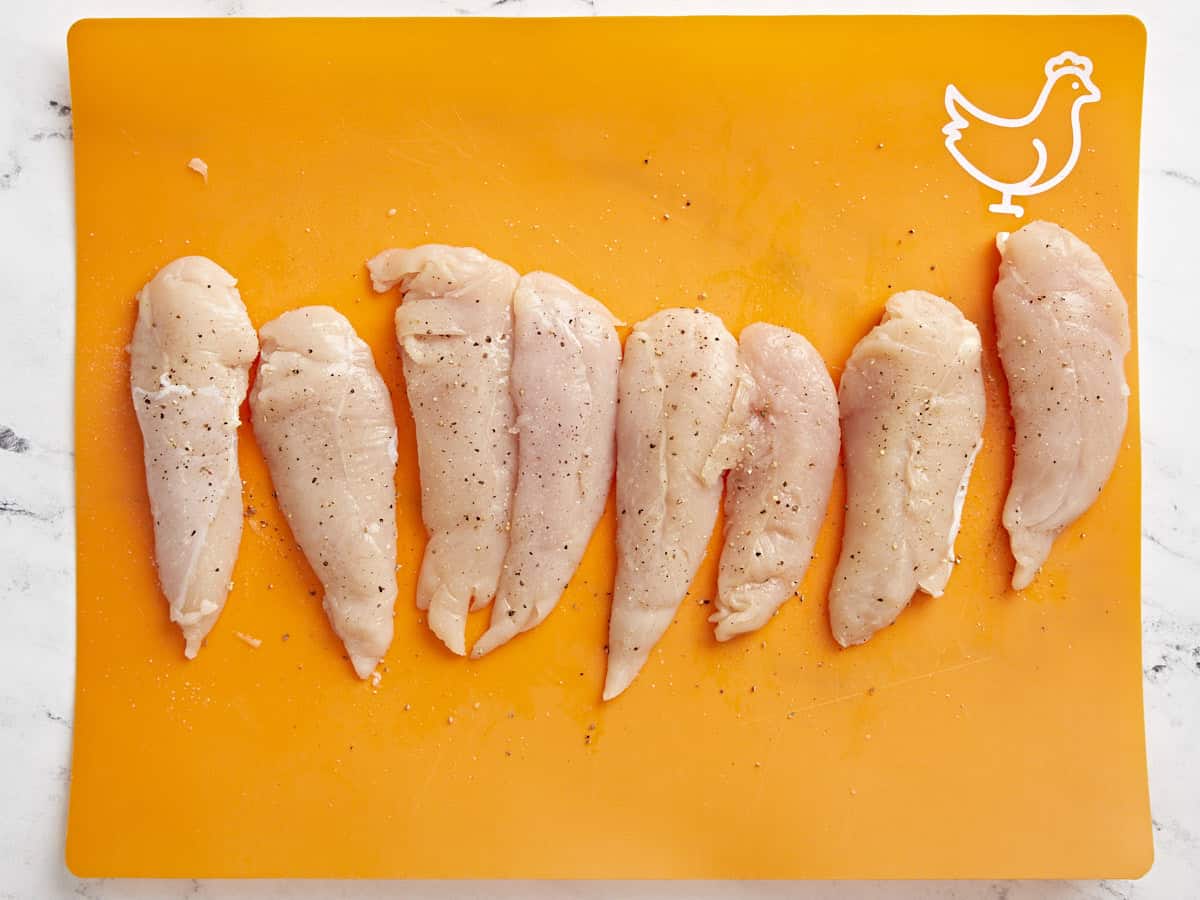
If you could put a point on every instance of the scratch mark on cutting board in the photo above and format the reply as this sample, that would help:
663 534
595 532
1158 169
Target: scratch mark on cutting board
944 670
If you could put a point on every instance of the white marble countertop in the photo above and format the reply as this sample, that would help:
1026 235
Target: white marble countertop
36 516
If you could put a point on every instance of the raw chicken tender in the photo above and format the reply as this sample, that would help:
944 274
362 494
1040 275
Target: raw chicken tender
564 383
912 407
324 422
455 332
678 427
777 495
189 364
1063 334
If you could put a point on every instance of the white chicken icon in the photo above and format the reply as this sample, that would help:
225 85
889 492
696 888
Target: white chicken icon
1068 87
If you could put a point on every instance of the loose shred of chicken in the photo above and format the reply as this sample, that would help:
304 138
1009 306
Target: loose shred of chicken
199 166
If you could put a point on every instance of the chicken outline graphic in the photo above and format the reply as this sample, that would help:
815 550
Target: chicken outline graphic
1060 68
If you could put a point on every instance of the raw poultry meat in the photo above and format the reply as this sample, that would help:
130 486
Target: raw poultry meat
324 422
912 408
566 355
189 365
1063 333
455 332
681 409
777 494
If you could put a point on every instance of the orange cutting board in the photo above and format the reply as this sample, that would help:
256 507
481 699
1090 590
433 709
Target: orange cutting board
791 170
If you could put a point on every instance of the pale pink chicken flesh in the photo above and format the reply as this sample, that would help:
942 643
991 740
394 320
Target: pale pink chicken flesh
324 422
677 432
189 366
454 326
1062 328
912 408
777 495
564 384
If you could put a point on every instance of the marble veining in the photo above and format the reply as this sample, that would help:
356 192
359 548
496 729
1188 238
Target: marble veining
36 490
1182 176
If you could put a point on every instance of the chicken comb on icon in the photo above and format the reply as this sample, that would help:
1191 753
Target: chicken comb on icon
1068 60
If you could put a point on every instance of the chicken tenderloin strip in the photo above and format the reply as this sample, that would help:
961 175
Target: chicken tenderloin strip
566 355
681 409
189 366
777 495
454 326
1062 329
324 422
912 408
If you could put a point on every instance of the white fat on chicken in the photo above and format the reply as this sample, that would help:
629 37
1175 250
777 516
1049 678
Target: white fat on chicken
912 409
190 358
777 495
681 412
566 356
454 326
323 418
1062 328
